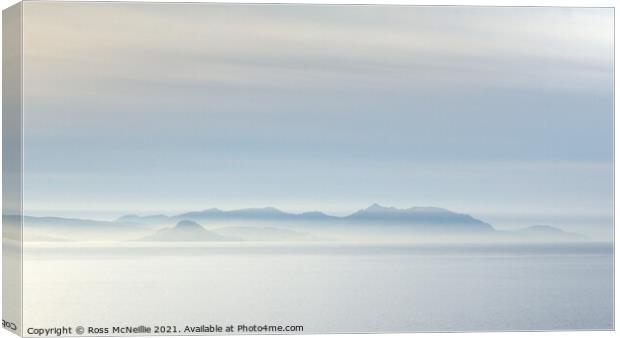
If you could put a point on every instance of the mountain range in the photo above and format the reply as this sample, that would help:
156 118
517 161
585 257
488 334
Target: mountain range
373 214
375 222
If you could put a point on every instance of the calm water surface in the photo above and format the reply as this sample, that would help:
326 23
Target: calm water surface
324 287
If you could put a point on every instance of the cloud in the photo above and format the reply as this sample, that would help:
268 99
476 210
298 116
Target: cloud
268 46
143 90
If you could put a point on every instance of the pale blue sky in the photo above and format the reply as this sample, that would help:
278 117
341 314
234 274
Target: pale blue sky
175 107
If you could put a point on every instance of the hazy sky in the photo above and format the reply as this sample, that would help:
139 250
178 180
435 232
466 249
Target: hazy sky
174 107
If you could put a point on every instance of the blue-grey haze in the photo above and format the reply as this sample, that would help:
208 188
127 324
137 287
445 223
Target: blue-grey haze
503 113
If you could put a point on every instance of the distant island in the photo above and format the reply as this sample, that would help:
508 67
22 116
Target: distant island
374 223
438 218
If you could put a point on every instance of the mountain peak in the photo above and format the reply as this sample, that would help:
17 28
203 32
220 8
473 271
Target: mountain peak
376 207
188 225
265 210
186 230
270 209
212 210
547 232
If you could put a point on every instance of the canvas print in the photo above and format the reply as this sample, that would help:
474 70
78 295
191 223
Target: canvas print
194 168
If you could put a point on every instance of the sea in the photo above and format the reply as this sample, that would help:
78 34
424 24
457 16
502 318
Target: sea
319 287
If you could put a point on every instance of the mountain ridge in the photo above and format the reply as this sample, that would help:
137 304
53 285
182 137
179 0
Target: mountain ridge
371 223
375 211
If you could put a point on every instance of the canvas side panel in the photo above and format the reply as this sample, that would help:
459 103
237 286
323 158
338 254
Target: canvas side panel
12 233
